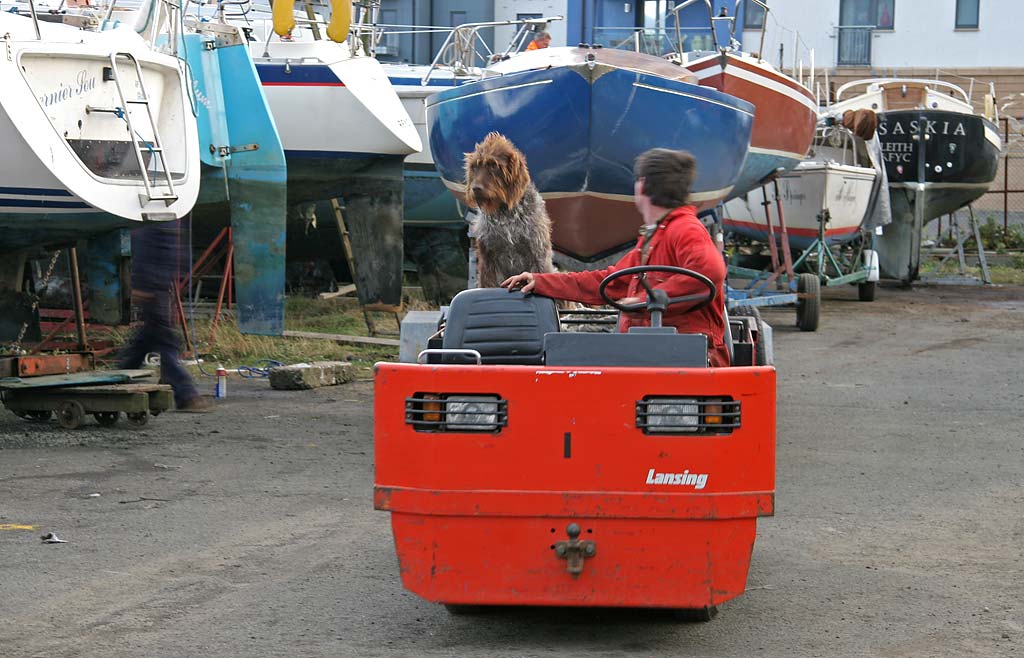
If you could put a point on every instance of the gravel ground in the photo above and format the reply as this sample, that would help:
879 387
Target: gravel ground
250 531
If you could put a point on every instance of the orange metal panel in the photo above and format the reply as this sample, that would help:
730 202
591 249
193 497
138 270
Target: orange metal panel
36 365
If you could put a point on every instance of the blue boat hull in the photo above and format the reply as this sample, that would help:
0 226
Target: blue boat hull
427 201
581 130
233 111
756 168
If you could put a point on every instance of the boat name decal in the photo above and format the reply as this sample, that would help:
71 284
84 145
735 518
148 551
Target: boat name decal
913 127
846 194
788 194
684 479
200 97
901 152
82 84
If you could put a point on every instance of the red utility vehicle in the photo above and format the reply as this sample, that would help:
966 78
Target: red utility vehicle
530 466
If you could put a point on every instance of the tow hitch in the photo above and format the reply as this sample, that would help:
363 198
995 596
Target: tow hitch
574 551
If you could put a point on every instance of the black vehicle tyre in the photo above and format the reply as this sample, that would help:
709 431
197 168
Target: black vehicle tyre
138 419
70 414
107 418
808 306
866 291
463 609
760 351
692 615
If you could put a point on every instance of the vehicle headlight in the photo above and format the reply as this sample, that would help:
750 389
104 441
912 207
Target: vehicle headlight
670 415
473 413
675 415
456 412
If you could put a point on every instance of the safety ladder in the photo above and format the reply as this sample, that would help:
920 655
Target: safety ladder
156 148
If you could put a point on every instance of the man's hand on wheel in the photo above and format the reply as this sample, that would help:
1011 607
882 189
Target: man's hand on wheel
523 282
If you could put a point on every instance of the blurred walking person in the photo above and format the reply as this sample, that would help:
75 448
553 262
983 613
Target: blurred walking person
155 252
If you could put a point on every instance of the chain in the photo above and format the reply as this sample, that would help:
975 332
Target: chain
16 345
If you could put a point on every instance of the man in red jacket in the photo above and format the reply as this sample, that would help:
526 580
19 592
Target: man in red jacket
671 235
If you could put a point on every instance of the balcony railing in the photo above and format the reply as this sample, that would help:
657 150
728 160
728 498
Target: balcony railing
854 48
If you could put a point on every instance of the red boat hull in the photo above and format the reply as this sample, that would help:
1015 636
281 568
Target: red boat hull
785 114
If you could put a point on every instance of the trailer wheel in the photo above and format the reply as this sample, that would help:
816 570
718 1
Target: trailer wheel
138 419
70 414
808 306
760 350
107 418
866 291
691 615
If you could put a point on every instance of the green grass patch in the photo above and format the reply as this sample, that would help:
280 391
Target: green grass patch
1001 274
231 348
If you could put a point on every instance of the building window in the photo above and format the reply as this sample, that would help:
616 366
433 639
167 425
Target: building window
879 14
389 41
967 14
753 15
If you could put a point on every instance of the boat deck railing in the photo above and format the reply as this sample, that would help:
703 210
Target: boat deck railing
881 82
835 135
714 23
464 48
35 19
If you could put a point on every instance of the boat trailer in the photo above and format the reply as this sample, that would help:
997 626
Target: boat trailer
782 283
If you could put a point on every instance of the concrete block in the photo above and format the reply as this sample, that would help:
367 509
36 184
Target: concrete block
417 327
311 375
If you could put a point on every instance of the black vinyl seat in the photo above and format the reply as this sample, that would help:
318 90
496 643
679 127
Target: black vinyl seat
505 327
642 347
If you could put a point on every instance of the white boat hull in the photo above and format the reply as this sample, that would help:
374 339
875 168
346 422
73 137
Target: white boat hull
811 188
325 101
64 160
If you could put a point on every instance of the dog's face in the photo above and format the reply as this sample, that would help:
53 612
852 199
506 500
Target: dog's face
496 175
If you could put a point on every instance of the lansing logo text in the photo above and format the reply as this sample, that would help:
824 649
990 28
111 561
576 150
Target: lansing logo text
684 479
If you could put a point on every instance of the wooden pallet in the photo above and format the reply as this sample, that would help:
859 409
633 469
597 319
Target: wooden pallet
105 402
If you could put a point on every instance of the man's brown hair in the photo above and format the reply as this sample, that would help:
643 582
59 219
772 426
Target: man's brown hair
667 176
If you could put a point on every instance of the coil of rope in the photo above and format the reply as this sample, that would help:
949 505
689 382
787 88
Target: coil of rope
258 370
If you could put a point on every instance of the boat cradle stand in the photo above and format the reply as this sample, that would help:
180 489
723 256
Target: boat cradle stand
804 291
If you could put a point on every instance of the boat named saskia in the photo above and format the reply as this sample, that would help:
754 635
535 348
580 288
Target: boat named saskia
956 166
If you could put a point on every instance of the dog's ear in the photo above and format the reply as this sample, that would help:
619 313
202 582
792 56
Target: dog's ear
469 162
515 175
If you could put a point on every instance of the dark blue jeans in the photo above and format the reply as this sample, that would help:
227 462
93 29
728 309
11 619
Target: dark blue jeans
158 334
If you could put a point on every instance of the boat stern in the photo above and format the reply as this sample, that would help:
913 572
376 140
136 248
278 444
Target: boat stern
113 123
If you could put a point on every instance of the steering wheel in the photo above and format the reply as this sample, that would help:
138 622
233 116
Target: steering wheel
657 299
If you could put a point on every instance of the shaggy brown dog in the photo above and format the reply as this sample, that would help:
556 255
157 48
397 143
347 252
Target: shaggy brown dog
513 231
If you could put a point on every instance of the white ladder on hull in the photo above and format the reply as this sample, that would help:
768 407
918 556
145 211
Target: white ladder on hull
156 148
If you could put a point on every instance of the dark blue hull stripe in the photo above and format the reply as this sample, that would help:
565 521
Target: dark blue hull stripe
41 203
37 191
